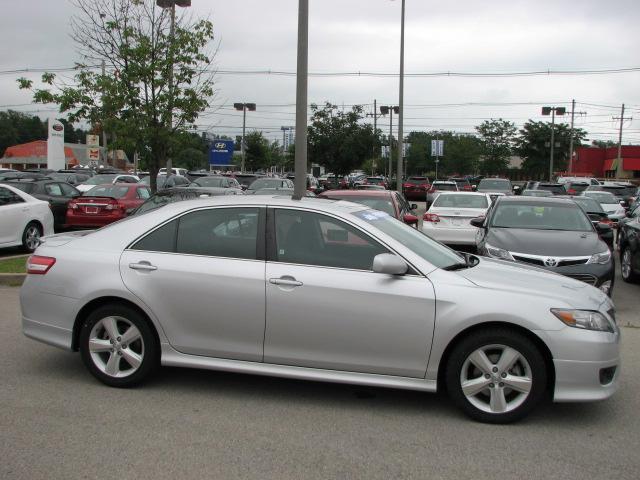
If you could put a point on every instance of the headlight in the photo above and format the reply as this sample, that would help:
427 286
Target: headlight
496 252
601 258
585 319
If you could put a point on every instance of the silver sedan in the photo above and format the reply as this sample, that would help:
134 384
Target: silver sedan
319 290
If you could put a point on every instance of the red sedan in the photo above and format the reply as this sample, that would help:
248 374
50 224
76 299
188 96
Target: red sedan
105 204
415 188
388 201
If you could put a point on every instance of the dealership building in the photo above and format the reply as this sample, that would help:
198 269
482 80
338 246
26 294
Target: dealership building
604 162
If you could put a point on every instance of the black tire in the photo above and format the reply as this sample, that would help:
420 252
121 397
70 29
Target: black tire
32 231
148 345
629 276
484 339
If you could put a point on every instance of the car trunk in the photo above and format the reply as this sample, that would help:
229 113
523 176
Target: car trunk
455 217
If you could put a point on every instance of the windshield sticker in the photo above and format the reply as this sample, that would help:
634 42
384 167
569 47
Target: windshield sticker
371 215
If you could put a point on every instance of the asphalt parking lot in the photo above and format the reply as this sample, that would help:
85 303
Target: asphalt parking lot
58 422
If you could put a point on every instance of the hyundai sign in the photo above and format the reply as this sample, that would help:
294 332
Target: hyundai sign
221 153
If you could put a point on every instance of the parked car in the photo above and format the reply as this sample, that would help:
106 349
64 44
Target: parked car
536 193
621 193
57 194
182 172
365 186
105 204
172 195
589 180
164 181
440 186
496 185
629 247
463 183
381 181
449 216
106 178
388 201
596 214
72 178
269 182
609 203
23 219
554 188
217 181
246 179
281 276
550 233
415 188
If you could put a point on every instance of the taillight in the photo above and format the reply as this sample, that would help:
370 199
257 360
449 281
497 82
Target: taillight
571 191
72 206
37 265
426 186
431 217
467 187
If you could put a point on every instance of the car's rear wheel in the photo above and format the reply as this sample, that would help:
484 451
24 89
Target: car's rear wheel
118 346
628 275
31 236
496 376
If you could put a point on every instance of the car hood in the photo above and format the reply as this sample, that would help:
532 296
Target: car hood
530 280
555 243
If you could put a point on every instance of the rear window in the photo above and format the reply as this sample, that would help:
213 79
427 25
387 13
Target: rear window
110 191
25 187
384 204
445 187
498 184
461 201
557 189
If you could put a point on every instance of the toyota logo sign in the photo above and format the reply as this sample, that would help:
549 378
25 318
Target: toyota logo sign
551 262
220 145
57 127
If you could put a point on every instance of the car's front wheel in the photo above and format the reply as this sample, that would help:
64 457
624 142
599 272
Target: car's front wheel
628 275
496 376
118 346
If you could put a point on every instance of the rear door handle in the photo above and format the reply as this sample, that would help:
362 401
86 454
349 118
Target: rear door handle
144 265
289 281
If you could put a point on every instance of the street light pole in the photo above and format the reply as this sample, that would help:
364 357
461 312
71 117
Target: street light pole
244 107
400 106
553 121
390 143
300 166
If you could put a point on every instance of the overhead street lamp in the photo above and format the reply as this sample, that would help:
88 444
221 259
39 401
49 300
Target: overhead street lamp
172 5
401 102
244 107
552 111
384 110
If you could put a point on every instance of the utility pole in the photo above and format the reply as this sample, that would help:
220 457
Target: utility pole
383 111
552 111
619 159
172 32
375 116
300 165
400 106
244 107
104 133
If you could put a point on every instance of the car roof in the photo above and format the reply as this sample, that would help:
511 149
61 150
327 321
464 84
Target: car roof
358 193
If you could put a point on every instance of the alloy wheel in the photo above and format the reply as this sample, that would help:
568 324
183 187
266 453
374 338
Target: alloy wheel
626 263
32 237
496 378
116 346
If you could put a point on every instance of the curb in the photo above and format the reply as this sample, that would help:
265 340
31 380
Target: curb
12 279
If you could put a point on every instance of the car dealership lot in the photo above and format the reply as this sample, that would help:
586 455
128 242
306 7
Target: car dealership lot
57 421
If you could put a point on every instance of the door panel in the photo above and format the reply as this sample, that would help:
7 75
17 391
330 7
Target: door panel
349 320
206 306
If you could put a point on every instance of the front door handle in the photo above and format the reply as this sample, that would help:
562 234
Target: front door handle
143 265
288 281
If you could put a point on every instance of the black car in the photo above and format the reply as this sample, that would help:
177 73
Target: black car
178 194
629 246
50 190
550 233
596 214
164 181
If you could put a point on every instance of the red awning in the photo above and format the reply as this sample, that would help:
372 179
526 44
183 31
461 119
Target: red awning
631 163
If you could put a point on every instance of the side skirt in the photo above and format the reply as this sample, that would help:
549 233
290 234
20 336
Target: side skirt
173 358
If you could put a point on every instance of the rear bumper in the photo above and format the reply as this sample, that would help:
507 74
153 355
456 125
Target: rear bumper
90 221
49 334
451 236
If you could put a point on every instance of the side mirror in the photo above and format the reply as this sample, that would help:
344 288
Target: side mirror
474 188
478 222
390 264
414 206
410 219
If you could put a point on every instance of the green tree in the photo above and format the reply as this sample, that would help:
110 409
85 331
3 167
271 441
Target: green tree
461 153
604 143
258 154
534 146
17 127
135 101
497 138
337 140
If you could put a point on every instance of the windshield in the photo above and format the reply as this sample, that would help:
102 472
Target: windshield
100 179
588 204
537 193
212 182
541 216
110 191
433 252
494 184
384 204
604 198
461 200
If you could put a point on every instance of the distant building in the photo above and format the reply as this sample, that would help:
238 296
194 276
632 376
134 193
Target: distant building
603 162
34 155
289 138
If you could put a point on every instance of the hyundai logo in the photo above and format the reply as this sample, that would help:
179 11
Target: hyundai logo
220 145
551 262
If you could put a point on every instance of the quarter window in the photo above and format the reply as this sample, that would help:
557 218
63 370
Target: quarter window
314 239
220 232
